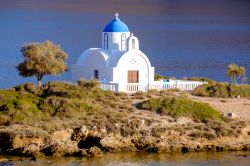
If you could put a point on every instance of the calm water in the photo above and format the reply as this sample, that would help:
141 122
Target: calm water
181 38
143 159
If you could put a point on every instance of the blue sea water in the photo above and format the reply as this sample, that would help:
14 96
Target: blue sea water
181 38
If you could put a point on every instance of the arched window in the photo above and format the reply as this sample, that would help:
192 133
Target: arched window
133 43
106 41
123 40
96 74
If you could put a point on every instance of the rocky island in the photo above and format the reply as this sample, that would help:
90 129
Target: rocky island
62 119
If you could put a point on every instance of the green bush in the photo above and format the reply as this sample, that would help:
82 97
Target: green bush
203 79
29 104
161 77
88 83
215 89
181 107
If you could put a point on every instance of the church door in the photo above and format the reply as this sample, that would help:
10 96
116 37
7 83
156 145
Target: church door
133 76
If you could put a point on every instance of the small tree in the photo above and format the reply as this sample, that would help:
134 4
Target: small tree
236 72
42 59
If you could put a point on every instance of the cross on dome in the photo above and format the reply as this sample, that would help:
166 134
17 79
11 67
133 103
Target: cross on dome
116 15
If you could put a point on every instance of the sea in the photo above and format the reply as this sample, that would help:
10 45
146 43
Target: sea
182 38
138 159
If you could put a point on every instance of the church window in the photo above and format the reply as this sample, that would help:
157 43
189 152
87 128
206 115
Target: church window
96 74
133 43
105 41
123 38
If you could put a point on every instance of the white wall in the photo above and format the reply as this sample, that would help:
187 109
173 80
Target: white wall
99 59
133 60
87 63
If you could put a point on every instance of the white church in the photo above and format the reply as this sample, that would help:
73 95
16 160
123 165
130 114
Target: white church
120 65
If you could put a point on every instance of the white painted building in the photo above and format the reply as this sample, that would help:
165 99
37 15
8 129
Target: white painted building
119 65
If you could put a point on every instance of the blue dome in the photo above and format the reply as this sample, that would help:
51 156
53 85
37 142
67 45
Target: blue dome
116 26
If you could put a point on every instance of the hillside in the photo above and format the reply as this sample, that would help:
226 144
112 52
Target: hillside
61 119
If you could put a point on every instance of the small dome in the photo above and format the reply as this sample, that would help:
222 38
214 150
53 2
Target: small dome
116 25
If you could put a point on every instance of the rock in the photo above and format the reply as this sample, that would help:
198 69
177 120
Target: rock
246 147
209 147
184 120
82 153
117 143
231 115
68 148
30 150
23 141
80 133
37 155
62 135
184 149
5 141
10 143
3 160
147 143
88 142
103 130
94 151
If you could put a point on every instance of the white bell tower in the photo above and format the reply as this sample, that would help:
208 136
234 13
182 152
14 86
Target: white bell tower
115 35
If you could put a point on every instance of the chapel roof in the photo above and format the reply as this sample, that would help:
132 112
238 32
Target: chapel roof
116 25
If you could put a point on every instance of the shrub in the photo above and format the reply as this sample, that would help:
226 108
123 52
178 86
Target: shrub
3 118
222 129
161 77
198 134
181 107
222 90
139 95
65 102
88 83
203 79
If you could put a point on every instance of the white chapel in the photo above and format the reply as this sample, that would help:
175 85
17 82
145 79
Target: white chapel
120 59
120 65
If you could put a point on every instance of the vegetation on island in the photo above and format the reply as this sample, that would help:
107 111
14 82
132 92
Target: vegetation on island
62 119
181 107
42 59
202 79
158 77
224 90
57 105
